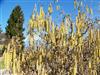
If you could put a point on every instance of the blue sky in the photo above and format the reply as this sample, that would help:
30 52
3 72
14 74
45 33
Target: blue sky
6 7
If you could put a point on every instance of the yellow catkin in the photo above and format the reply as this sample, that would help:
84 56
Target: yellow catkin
90 64
41 18
75 67
40 58
64 43
98 35
53 28
31 23
18 64
37 63
23 57
57 7
47 26
62 29
31 40
8 60
50 10
4 56
14 61
5 59
52 37
42 14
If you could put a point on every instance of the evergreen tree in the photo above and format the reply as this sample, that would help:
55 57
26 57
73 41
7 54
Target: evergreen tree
15 24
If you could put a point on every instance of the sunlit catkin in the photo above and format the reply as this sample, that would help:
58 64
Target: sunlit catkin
75 67
50 10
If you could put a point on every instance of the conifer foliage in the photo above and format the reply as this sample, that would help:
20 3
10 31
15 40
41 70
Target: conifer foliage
15 24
